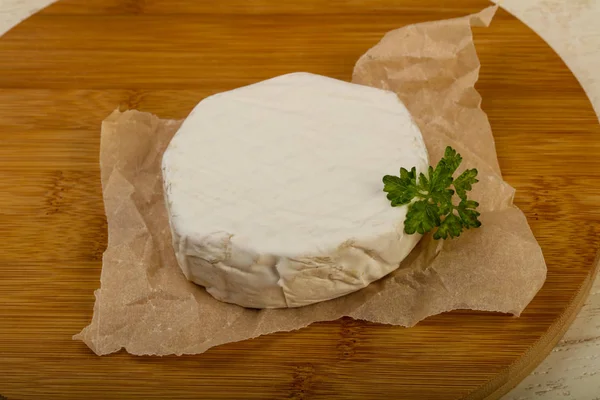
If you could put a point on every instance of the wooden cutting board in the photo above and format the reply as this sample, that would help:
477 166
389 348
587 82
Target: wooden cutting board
67 68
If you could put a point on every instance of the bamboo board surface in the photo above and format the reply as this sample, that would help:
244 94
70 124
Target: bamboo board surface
67 68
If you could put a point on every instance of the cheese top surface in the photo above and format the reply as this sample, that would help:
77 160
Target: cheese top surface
291 166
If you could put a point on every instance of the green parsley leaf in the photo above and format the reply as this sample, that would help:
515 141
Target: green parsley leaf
451 226
441 177
443 199
401 190
464 183
430 198
468 214
422 217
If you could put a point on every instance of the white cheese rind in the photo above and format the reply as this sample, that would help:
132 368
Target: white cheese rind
274 190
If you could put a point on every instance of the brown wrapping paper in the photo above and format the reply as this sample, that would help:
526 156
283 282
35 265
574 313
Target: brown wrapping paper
146 306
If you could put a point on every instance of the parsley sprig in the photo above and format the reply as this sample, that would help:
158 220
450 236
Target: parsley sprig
430 198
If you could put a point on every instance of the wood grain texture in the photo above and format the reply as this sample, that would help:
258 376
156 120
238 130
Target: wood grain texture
63 71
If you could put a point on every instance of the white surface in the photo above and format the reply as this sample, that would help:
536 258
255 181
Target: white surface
572 370
275 192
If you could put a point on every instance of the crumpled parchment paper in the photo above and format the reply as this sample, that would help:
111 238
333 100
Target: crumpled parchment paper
146 306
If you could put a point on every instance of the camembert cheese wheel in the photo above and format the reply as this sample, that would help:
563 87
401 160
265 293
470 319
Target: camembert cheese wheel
274 190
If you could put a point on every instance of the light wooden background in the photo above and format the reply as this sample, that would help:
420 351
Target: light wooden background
100 101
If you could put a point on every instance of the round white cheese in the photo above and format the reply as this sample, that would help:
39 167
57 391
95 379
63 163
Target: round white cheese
274 190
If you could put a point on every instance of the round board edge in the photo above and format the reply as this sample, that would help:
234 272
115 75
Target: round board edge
503 383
